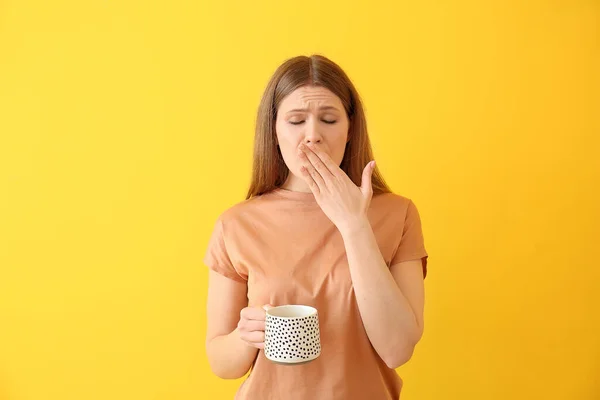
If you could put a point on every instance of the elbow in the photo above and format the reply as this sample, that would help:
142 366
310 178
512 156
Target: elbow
400 354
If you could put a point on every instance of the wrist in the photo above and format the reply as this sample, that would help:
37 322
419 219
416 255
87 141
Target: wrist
355 226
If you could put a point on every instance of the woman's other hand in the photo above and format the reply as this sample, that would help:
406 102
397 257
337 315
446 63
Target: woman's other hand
251 327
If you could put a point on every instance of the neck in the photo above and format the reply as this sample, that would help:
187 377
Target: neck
295 184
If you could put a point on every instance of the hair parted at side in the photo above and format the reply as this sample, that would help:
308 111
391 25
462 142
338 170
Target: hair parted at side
269 169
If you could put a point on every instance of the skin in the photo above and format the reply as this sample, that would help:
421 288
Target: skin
313 149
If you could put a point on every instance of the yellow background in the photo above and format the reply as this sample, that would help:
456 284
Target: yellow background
127 127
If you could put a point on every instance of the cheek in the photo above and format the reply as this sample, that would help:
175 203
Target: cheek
288 145
288 150
341 139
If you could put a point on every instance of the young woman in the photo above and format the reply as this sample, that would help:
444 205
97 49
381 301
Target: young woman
319 227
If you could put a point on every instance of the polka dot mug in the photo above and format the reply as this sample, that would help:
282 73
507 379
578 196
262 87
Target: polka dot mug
292 334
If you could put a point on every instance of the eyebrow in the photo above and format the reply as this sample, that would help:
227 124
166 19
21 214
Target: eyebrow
320 108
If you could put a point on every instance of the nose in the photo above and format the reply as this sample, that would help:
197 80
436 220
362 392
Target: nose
312 134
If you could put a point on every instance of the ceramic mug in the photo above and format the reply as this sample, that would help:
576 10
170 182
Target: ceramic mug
292 334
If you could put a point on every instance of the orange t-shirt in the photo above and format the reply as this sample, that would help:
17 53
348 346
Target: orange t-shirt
287 251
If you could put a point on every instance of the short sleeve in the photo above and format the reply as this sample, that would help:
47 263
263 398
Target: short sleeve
412 244
217 257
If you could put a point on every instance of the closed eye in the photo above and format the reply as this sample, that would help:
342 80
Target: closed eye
301 122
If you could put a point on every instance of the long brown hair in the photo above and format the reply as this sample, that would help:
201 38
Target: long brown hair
269 169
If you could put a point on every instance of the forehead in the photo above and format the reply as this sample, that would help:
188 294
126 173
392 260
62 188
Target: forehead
311 97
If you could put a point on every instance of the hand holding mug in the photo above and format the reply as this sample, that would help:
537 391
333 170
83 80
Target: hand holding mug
251 326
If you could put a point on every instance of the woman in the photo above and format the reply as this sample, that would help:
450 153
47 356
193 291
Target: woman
319 227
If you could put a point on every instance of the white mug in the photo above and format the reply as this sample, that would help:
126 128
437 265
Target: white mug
292 334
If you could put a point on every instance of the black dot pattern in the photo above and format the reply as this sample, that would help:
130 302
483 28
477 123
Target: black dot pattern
292 339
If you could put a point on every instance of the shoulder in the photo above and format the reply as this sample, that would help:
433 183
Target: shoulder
393 208
391 203
243 209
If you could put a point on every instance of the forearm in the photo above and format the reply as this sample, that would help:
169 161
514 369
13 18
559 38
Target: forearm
387 316
229 356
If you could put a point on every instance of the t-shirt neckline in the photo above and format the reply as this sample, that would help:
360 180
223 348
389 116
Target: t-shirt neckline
304 197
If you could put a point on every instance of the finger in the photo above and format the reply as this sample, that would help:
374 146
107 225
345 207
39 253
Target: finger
316 162
254 337
308 178
249 325
316 175
253 313
333 168
366 186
